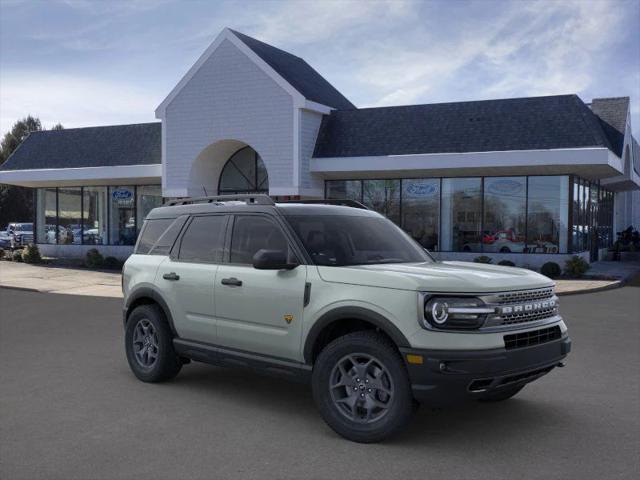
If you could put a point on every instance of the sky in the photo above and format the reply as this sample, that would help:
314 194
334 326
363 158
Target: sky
102 62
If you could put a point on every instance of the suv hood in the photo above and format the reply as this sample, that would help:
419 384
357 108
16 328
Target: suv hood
458 277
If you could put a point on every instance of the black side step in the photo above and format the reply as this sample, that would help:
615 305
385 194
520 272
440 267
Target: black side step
225 357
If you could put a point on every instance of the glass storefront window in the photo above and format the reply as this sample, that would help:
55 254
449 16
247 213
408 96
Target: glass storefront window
421 210
547 216
344 189
461 214
70 216
148 198
94 215
383 196
47 215
505 204
122 220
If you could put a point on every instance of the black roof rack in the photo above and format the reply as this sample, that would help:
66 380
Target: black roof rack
345 202
257 199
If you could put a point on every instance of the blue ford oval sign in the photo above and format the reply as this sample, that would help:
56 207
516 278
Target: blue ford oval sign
422 189
122 194
505 187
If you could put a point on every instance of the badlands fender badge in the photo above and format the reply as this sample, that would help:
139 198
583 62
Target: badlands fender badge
288 318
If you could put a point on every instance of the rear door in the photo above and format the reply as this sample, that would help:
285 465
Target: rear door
187 277
259 311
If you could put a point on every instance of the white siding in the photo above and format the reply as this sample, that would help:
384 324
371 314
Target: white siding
309 126
229 97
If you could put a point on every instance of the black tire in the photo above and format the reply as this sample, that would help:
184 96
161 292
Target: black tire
166 364
505 250
500 395
393 379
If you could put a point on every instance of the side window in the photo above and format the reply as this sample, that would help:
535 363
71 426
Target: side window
151 231
168 238
252 233
204 239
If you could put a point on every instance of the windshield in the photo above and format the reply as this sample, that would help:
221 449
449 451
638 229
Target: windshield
341 240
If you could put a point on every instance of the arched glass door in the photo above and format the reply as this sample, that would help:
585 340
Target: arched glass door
244 172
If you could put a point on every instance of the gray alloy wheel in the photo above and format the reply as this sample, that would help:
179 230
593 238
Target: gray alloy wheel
148 344
361 388
145 343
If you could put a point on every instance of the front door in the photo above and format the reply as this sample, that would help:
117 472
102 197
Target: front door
187 279
259 311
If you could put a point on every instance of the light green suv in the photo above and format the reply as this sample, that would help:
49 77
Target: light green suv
337 295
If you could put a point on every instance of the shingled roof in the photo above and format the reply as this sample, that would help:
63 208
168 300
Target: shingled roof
137 144
613 116
534 123
298 73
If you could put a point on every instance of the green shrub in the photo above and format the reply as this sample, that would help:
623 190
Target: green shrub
1 253
482 259
551 270
112 263
16 256
31 254
94 259
576 266
506 263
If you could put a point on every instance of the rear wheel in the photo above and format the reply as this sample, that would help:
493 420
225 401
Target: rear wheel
149 345
501 394
361 387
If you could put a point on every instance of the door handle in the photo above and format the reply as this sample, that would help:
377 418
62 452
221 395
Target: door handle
171 276
232 282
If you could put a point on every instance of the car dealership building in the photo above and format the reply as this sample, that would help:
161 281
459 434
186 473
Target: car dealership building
526 179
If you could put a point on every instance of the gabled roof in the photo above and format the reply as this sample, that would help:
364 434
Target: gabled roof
137 144
534 123
298 73
292 73
613 115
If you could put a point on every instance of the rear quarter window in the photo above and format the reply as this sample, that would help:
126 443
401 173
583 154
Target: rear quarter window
158 235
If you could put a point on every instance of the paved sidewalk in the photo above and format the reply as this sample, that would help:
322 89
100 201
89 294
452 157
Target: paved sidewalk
80 281
72 281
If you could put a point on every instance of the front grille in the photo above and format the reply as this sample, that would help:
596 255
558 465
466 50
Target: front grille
523 317
508 298
534 337
520 298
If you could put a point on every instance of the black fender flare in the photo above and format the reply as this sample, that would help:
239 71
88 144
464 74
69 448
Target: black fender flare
352 313
148 292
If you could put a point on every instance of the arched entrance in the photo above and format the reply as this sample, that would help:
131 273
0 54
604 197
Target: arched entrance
227 167
244 172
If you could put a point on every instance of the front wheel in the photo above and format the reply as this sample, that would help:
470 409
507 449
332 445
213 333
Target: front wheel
149 345
361 387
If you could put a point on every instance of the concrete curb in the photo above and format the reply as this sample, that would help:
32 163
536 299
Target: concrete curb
24 289
617 284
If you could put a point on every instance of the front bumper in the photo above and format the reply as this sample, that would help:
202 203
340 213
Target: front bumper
451 376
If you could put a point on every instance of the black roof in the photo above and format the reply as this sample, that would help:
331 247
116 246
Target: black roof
137 144
298 73
612 113
534 123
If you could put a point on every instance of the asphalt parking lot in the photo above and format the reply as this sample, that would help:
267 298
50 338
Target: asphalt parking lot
70 408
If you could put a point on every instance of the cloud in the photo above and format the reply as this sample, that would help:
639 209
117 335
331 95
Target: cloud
72 100
296 22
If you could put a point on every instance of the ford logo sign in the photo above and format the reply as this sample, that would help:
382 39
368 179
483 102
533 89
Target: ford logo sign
422 189
122 194
505 187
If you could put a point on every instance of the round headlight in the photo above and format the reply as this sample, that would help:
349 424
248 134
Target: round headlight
439 312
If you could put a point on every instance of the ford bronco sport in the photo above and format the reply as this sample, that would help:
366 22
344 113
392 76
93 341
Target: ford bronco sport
336 295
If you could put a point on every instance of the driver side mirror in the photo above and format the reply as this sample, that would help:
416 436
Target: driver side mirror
273 260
